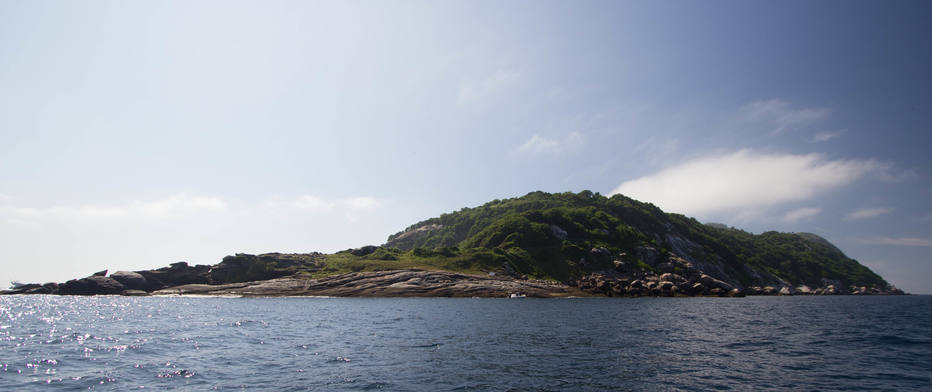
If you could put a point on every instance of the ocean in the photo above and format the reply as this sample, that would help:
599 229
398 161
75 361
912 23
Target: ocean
843 343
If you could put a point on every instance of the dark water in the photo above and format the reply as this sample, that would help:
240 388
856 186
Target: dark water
760 343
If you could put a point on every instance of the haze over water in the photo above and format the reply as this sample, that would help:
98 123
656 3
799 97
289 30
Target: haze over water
185 343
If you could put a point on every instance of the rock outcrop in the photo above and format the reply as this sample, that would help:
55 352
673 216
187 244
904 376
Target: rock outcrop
397 283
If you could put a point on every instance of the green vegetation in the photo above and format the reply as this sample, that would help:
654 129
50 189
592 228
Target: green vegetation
473 261
566 235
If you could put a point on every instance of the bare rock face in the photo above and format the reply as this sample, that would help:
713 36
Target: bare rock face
177 274
647 254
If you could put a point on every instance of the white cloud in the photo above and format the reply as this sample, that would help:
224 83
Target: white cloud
541 145
779 114
741 181
902 241
801 213
865 213
479 90
826 136
362 203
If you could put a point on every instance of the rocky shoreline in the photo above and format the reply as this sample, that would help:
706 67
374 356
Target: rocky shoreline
181 279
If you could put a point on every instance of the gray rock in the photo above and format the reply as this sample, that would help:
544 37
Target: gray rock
91 285
363 251
647 254
671 277
131 280
735 293
712 283
558 232
620 266
698 289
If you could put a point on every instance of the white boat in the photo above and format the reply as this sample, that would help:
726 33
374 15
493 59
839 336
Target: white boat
518 296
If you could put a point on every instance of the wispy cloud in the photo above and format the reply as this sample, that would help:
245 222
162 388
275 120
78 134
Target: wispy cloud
362 203
303 203
542 145
801 213
181 206
479 90
865 213
782 116
5 198
174 207
826 136
901 241
659 150
741 181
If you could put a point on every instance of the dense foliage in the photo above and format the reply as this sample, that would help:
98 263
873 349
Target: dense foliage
553 236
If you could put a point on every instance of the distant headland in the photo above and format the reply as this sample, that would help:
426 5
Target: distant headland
537 245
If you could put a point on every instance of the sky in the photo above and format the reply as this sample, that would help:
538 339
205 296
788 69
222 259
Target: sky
137 134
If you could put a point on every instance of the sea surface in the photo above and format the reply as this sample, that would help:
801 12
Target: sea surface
441 344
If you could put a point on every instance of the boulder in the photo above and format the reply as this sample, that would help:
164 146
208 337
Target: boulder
667 288
670 277
786 290
48 288
711 283
734 293
620 266
697 289
176 275
100 273
91 285
131 280
363 251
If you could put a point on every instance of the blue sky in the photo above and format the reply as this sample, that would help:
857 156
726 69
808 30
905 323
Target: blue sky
135 134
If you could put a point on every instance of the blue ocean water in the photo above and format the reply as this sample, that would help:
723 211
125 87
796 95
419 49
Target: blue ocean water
431 344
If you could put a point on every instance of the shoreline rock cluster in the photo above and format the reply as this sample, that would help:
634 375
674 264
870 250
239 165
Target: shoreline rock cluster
276 274
410 283
613 284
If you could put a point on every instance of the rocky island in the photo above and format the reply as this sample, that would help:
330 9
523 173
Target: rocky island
537 245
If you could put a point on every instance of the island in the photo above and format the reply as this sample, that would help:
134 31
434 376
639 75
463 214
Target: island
538 245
